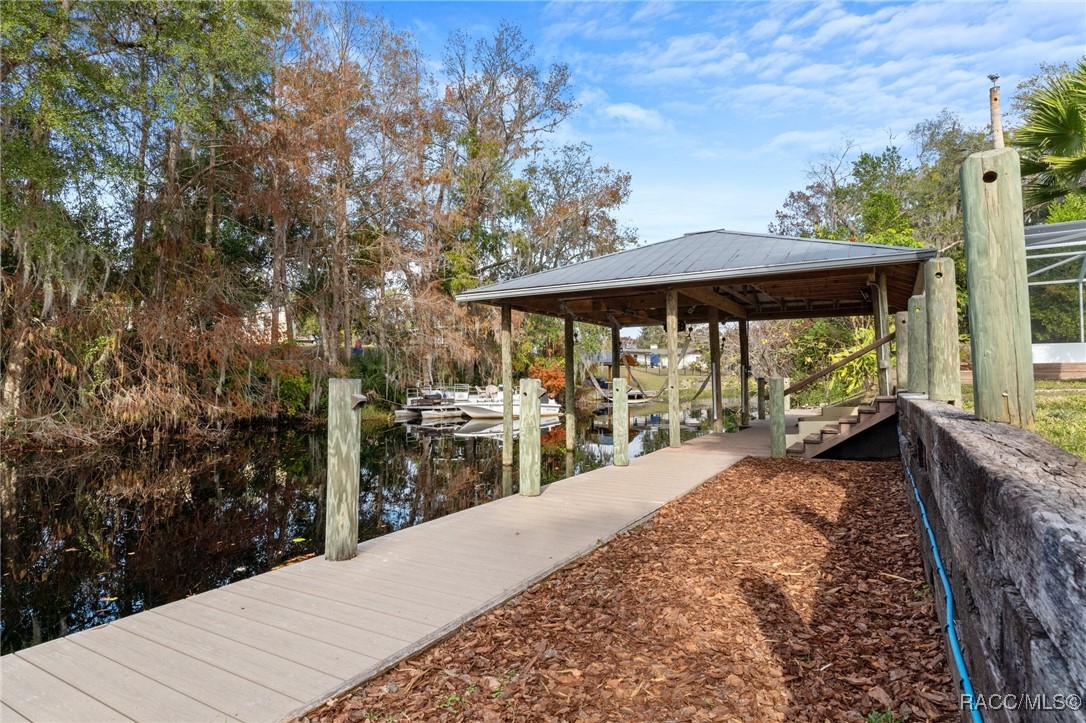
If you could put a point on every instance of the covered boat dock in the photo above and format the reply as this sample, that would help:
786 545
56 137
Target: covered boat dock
709 277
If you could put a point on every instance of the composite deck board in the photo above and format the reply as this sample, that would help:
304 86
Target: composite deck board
130 692
280 642
326 657
391 574
364 639
356 595
10 715
364 615
389 581
210 684
41 696
283 674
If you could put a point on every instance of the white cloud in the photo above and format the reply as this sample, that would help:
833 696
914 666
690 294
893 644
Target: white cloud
764 29
653 11
634 117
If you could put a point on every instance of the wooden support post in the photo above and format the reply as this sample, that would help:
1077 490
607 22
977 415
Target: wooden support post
616 351
882 311
530 459
620 423
744 374
901 344
761 397
507 385
674 411
995 255
776 417
944 354
507 480
714 370
344 452
918 344
571 389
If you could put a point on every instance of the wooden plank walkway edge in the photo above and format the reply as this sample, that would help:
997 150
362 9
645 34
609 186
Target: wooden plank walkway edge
451 628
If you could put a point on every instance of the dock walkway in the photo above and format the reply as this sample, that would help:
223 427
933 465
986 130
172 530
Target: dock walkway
274 645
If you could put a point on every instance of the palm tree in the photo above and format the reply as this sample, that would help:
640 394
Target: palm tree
1053 139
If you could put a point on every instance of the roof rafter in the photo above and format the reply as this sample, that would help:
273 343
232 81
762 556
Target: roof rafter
711 298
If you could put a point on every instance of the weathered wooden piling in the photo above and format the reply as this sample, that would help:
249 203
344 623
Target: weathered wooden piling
744 374
999 325
620 422
530 452
944 354
674 411
616 351
918 344
777 447
344 452
882 312
714 370
507 385
571 388
901 346
507 480
761 397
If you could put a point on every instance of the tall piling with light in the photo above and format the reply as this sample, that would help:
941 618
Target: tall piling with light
995 254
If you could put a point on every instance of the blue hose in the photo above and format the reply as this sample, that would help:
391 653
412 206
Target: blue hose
952 633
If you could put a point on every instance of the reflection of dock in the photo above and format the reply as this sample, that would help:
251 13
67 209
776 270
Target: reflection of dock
277 643
490 429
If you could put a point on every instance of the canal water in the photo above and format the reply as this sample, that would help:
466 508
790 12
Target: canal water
88 538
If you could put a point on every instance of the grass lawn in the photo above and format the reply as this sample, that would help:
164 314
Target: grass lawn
1061 413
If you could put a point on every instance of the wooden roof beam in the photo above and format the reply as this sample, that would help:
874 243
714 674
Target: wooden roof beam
711 298
747 300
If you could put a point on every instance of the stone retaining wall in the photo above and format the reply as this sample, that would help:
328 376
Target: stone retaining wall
1009 514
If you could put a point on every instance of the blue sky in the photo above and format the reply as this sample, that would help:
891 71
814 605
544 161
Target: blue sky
718 108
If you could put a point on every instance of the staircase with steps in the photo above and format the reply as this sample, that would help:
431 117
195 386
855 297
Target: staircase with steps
850 426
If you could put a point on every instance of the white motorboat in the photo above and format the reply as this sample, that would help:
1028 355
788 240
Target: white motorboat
493 407
437 401
441 413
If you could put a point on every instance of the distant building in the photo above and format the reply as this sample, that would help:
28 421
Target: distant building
649 358
654 357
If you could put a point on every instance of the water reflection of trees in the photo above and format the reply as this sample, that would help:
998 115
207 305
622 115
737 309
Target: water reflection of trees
413 476
87 539
92 538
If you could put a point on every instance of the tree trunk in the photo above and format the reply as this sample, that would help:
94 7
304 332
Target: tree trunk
169 212
341 292
279 252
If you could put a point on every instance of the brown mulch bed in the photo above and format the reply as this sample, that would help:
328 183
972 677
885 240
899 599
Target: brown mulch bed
781 590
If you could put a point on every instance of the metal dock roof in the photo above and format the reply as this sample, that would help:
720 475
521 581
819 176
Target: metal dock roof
768 276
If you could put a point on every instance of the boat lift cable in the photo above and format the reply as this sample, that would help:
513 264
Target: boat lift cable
951 630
